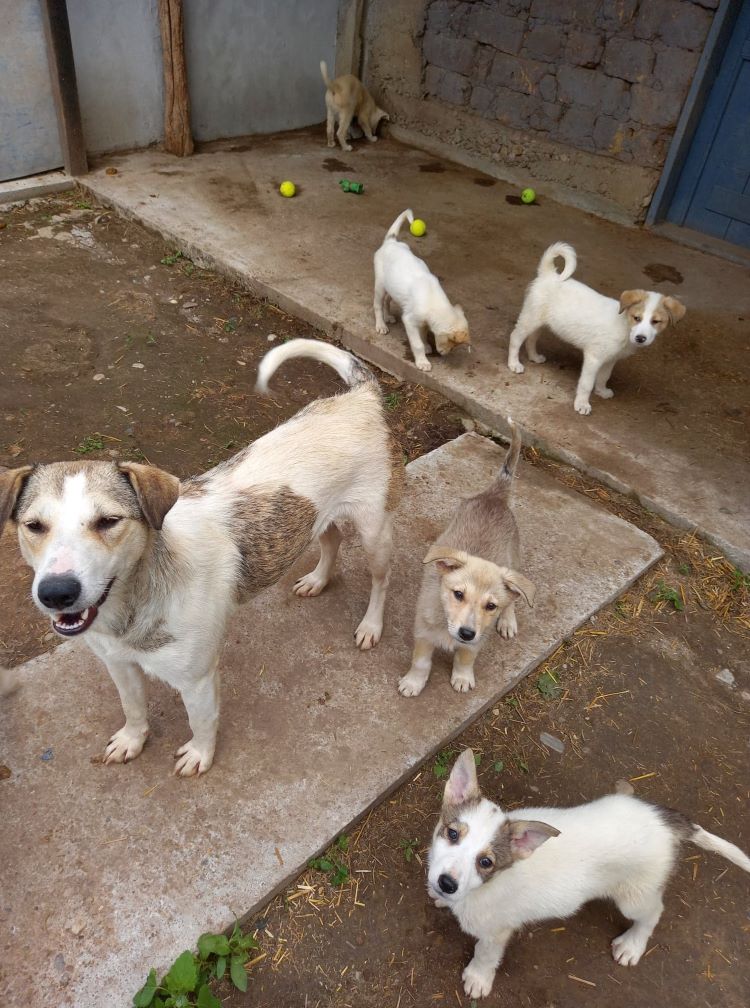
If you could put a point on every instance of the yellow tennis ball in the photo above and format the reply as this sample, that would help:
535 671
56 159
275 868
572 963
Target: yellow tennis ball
287 188
418 227
528 196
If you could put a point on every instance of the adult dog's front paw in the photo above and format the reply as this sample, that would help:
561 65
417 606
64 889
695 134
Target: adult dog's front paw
412 684
309 585
516 367
382 329
191 760
582 406
462 682
477 981
367 634
124 745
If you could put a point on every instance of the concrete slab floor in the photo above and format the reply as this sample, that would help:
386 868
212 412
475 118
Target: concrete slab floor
677 432
116 869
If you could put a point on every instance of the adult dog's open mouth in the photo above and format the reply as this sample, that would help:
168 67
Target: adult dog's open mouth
70 624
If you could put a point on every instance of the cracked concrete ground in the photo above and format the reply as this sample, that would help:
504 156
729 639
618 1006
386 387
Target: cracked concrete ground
677 432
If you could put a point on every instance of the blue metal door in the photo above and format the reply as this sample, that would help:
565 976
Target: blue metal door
713 193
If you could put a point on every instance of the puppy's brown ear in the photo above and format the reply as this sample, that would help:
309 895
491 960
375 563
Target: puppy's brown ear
462 785
675 309
11 482
630 297
527 835
519 584
446 559
157 491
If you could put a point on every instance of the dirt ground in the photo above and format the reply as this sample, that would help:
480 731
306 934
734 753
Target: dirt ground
634 694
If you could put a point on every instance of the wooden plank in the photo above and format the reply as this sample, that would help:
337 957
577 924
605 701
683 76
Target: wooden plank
64 87
178 138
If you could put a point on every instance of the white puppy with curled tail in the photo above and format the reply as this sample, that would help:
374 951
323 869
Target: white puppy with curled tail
406 280
499 871
604 329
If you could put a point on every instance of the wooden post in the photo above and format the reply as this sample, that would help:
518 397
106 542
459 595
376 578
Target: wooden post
64 87
178 138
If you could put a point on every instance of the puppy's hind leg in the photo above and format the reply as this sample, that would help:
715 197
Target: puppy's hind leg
644 909
525 328
314 582
330 126
127 743
534 357
378 306
377 539
345 121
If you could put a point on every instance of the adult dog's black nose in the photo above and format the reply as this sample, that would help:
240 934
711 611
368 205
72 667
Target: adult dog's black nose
58 591
447 884
466 633
640 338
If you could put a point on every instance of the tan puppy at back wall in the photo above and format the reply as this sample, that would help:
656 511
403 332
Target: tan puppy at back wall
470 583
346 99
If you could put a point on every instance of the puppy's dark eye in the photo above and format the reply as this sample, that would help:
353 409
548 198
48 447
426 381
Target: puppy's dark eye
452 834
35 526
459 595
637 318
490 606
485 862
104 524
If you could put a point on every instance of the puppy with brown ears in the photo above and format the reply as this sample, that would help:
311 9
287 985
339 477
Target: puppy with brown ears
346 99
605 330
470 583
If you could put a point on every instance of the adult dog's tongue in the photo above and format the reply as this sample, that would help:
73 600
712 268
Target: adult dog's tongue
71 623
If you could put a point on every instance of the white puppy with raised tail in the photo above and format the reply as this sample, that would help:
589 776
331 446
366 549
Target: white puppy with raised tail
406 280
499 871
605 330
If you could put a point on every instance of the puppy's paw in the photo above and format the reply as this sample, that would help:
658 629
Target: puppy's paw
462 682
582 406
191 760
347 147
516 367
381 329
367 634
423 364
331 143
309 585
390 319
124 745
477 981
604 393
412 683
373 139
537 358
507 626
628 948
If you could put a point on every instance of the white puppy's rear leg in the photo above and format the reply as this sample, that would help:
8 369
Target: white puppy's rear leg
525 327
379 303
600 383
589 372
534 357
314 582
390 308
414 334
201 699
488 953
377 539
645 912
128 742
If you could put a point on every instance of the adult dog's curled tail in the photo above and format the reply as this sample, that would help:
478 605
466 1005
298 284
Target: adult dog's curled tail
324 73
352 370
394 229
547 263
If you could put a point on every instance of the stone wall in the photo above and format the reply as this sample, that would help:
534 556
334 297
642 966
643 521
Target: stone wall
591 90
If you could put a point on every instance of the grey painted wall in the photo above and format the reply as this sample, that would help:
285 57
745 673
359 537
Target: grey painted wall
253 64
29 140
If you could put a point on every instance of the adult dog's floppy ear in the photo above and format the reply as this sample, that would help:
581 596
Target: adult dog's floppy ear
630 297
446 559
675 309
519 584
11 482
157 491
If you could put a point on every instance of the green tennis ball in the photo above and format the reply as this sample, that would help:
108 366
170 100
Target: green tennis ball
528 196
418 227
287 188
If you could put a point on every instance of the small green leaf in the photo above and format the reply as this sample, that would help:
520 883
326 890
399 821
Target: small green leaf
339 876
213 944
247 942
221 967
237 973
498 766
206 999
146 994
343 842
182 977
477 759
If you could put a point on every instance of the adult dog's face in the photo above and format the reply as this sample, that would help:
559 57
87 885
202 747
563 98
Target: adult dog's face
81 527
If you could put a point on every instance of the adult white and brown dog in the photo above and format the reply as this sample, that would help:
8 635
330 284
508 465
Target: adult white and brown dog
499 871
150 569
604 329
